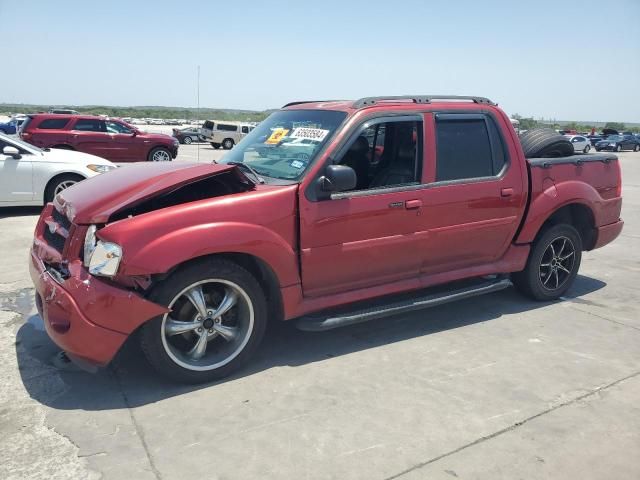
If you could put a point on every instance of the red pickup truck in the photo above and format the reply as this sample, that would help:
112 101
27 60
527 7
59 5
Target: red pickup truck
108 138
329 213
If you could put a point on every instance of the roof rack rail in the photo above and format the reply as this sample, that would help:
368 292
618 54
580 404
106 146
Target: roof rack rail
290 104
368 101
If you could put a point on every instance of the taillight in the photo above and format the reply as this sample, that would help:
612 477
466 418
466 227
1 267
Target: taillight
25 135
619 188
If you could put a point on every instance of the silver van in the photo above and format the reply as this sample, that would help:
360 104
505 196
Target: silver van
225 134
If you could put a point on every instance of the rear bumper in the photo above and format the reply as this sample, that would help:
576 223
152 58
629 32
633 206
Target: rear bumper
608 233
75 311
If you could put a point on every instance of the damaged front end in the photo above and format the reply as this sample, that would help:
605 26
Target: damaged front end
88 309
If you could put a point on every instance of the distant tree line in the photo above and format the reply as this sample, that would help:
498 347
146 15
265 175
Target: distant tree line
529 123
145 112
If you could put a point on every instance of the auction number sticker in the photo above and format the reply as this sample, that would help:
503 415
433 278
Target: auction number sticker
315 134
277 135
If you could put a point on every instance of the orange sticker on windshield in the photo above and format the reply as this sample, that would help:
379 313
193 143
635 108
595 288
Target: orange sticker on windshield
277 135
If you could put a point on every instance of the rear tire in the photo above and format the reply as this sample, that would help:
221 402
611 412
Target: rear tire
552 265
227 144
587 149
215 145
546 143
636 148
618 148
58 184
228 341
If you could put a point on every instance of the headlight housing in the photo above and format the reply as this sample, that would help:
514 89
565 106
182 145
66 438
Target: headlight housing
101 168
612 144
101 258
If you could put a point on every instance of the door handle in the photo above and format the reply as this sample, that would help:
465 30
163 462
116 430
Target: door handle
412 204
506 192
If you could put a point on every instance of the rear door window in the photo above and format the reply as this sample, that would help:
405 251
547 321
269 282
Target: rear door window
53 123
208 125
90 125
468 146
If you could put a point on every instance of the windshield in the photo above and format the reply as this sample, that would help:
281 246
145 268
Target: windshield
287 142
20 144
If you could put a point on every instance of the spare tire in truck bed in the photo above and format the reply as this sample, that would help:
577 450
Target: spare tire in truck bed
545 143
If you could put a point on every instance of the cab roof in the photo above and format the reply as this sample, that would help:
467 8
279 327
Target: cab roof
352 105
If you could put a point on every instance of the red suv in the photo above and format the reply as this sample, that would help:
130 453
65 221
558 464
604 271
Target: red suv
108 138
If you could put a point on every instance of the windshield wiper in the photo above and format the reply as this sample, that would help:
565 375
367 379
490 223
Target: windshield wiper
249 169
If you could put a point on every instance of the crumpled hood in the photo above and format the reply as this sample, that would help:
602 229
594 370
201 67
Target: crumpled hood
96 199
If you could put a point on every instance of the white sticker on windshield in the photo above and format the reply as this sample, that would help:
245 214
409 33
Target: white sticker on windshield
297 164
315 134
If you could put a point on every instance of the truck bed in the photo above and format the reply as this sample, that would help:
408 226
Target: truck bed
592 181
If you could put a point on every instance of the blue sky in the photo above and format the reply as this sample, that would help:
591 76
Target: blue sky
563 60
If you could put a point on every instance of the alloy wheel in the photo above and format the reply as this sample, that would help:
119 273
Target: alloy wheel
63 186
161 156
209 325
556 265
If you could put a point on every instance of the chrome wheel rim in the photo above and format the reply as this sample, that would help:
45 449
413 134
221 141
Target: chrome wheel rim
187 140
161 156
63 186
210 324
557 263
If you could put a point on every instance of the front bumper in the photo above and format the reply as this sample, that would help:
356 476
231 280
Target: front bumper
608 233
86 317
174 151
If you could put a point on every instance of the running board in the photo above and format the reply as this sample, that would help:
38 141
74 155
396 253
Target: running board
319 323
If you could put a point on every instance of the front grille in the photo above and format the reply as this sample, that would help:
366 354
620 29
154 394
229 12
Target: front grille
61 219
54 239
57 229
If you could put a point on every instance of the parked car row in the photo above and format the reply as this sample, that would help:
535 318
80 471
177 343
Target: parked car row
615 143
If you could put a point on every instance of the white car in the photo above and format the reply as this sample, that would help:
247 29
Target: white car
580 143
31 176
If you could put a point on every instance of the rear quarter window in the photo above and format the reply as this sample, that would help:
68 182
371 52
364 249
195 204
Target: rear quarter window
467 148
52 123
227 128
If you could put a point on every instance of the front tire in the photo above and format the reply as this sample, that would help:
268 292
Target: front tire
618 148
636 148
187 140
159 154
552 265
227 144
217 320
215 145
58 184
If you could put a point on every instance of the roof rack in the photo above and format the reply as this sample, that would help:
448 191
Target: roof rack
368 101
309 101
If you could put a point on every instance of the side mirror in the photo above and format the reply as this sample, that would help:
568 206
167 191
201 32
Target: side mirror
134 133
12 152
336 178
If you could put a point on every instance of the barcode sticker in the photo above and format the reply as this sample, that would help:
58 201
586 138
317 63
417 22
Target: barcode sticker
315 134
